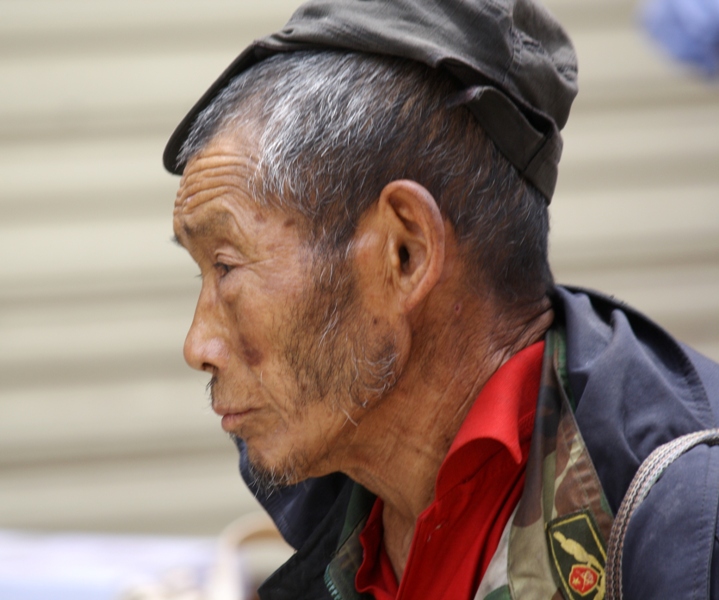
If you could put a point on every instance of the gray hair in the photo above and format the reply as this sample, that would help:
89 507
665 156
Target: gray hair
335 127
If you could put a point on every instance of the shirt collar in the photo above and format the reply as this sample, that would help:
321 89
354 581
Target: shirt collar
501 418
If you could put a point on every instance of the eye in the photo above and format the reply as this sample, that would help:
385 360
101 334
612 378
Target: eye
222 269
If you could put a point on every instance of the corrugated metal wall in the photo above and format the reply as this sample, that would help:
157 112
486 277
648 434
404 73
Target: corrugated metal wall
102 427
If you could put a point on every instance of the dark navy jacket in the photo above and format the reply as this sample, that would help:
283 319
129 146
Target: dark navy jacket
636 388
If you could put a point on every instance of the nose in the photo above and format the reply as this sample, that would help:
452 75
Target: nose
205 347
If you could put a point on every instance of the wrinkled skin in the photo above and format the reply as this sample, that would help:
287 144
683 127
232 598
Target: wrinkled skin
295 357
365 363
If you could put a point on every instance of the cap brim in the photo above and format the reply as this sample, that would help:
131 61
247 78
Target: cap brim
244 61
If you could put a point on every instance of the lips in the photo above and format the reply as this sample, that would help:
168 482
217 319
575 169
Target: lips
233 417
231 421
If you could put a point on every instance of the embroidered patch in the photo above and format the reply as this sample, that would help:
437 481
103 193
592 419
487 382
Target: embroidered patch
583 579
578 555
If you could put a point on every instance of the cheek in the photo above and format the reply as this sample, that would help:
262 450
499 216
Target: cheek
247 321
251 354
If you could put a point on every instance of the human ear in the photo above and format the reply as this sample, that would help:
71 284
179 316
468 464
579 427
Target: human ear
415 242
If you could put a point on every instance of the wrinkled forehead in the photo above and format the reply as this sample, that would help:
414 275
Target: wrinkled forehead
218 198
226 164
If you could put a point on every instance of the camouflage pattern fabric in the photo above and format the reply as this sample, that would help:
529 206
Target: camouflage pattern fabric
556 541
340 573
554 546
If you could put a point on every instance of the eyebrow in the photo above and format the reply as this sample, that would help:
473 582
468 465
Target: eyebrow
205 228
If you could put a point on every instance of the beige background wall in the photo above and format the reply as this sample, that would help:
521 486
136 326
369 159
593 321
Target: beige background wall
102 427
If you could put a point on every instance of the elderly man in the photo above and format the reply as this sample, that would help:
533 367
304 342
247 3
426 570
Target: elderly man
420 409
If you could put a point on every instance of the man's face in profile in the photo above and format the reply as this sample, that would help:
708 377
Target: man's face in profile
280 327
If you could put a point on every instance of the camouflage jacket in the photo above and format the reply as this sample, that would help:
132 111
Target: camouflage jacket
614 387
562 520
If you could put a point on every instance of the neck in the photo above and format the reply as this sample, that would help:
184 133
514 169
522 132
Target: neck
398 447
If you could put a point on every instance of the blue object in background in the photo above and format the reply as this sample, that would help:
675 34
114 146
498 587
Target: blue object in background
95 567
688 29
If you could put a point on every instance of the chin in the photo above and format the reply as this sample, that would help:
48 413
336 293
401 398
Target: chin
270 472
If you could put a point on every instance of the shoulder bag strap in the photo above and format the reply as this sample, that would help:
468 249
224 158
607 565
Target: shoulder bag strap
647 475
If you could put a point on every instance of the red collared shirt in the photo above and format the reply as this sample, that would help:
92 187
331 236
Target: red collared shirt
478 486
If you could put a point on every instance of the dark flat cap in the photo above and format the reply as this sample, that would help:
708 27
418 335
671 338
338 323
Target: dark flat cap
516 63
